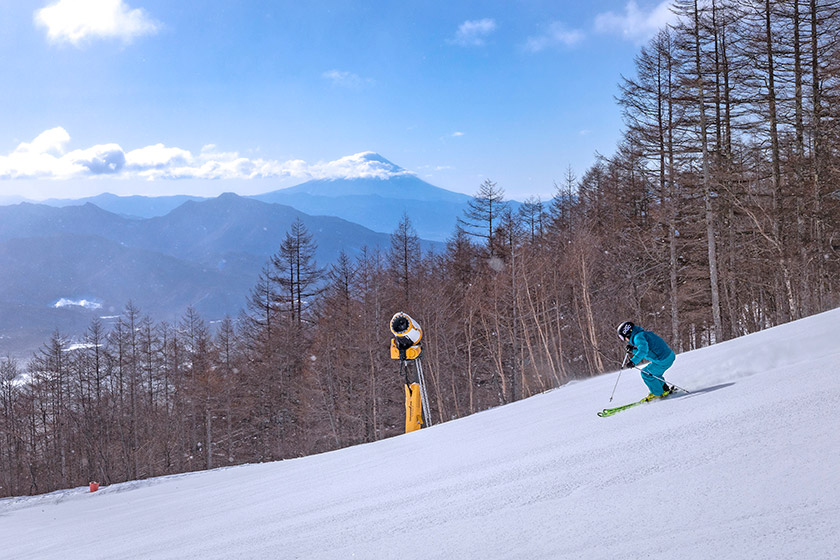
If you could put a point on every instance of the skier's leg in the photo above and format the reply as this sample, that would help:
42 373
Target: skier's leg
652 373
654 385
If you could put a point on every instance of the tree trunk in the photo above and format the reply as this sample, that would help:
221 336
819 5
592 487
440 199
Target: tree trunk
707 187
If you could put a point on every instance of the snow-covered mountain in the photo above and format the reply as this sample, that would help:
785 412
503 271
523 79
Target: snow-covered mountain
377 204
383 178
376 195
746 466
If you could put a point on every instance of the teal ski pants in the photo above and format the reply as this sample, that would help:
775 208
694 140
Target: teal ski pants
657 368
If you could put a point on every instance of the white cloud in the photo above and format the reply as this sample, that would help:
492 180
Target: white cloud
456 134
636 24
76 21
50 141
555 35
473 33
156 157
80 346
103 159
39 158
45 158
344 79
67 302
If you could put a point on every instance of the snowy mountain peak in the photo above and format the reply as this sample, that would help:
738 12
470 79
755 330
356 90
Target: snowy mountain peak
372 157
364 165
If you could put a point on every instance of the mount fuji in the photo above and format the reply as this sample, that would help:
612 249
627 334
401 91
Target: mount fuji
371 191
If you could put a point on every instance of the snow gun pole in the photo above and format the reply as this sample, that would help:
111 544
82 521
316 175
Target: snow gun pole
424 394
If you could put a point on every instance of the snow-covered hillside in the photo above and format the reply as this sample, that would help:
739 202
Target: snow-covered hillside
747 466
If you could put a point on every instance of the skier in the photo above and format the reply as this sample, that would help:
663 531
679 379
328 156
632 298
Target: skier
645 345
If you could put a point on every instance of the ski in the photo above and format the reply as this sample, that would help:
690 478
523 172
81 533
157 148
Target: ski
610 411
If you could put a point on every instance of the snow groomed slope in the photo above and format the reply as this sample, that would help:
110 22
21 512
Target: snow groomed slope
748 466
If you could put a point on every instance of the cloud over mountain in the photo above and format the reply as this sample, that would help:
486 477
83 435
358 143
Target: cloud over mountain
47 157
364 165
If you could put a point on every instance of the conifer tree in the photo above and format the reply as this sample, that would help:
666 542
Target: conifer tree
483 215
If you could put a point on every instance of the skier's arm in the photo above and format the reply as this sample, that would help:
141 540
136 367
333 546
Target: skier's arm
641 348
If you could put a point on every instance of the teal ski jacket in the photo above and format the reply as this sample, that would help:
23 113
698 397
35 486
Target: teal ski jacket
649 346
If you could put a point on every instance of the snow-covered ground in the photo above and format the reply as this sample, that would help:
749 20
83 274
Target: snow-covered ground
748 466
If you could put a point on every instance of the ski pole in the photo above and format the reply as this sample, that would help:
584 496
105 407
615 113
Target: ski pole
617 378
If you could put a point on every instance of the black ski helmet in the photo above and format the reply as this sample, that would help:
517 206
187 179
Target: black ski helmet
624 330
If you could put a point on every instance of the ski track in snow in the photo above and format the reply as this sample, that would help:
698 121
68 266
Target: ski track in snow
747 466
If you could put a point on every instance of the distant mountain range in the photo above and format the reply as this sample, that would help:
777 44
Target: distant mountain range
378 203
65 261
61 267
128 206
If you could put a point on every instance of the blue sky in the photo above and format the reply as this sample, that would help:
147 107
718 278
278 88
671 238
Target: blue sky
161 97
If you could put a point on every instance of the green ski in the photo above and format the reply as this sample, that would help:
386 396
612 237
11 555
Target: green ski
610 411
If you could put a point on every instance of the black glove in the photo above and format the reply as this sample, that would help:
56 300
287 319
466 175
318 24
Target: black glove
628 362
